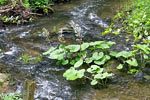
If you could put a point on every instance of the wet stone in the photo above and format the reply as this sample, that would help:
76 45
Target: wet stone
139 76
146 70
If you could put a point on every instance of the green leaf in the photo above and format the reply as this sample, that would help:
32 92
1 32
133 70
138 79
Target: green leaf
132 62
144 48
71 74
110 43
49 51
132 71
107 75
61 56
65 62
72 62
80 73
113 53
55 54
73 48
99 76
94 68
120 66
78 63
107 57
101 61
97 56
101 55
84 46
104 46
84 54
94 82
98 62
124 54
145 56
96 43
88 60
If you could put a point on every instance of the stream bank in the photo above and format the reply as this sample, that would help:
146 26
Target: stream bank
91 16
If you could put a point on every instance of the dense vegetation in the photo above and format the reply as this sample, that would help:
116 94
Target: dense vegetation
21 11
134 20
87 60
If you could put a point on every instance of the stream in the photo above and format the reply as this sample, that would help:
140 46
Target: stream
93 16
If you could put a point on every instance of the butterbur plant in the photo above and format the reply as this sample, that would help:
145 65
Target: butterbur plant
128 58
92 55
142 50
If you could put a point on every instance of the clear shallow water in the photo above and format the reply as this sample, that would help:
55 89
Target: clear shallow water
91 15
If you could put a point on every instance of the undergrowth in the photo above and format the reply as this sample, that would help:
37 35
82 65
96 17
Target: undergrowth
134 20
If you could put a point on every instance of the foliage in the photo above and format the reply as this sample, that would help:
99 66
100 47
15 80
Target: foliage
142 51
14 20
135 20
2 2
93 55
129 57
10 97
44 5
26 58
138 21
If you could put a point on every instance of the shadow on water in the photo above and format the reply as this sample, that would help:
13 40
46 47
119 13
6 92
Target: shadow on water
93 16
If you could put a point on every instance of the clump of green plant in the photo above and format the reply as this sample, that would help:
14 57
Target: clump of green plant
135 20
130 57
44 5
2 2
127 57
111 29
142 51
10 97
91 55
14 20
27 59
138 20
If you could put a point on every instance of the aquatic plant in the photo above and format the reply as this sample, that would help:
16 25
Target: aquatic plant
27 59
130 57
91 55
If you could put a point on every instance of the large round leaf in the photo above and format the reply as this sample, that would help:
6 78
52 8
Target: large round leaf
78 63
73 48
84 46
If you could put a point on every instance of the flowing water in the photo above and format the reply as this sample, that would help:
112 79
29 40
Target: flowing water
93 16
